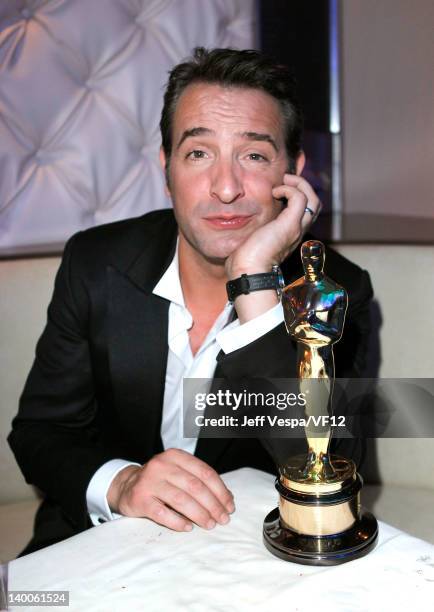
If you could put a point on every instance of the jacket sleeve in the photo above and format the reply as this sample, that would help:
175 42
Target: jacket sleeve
53 436
351 352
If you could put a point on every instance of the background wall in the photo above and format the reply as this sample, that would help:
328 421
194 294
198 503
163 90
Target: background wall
81 91
81 86
388 106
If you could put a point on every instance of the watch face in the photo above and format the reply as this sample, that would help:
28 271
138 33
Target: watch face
231 291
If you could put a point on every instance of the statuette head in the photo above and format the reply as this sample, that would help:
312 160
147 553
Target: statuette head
312 256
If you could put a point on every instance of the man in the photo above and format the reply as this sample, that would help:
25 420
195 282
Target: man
140 304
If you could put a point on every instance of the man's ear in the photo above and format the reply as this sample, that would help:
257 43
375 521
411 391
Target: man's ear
163 163
299 163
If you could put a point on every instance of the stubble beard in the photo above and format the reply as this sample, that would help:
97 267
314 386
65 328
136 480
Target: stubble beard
205 249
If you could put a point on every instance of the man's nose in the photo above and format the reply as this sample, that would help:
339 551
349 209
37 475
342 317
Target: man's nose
226 181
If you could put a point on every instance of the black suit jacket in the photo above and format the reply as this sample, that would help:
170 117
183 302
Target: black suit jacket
95 391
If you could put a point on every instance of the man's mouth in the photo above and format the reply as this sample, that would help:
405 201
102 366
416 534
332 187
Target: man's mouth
228 221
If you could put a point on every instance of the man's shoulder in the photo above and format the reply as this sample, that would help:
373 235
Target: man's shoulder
127 229
350 276
120 242
342 270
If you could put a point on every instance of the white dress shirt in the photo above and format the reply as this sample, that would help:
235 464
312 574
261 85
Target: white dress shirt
181 363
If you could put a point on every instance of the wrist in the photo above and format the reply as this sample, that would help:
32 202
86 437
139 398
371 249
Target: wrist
253 305
117 487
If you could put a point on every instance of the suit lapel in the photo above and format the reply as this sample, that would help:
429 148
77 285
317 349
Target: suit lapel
211 449
138 326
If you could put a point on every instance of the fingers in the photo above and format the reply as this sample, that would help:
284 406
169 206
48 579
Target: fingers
178 499
297 201
301 199
200 503
302 185
293 221
176 489
158 512
207 475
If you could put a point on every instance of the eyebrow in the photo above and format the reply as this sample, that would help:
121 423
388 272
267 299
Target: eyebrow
253 136
261 138
196 131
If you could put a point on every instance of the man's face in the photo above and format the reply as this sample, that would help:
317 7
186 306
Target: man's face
228 153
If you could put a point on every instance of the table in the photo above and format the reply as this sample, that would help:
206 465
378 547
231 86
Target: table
134 564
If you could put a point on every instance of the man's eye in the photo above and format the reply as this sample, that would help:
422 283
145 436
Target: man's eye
257 157
196 154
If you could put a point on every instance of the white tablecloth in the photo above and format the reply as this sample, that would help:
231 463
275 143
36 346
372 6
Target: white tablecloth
134 564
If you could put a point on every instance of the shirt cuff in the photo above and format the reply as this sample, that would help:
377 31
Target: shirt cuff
96 493
234 336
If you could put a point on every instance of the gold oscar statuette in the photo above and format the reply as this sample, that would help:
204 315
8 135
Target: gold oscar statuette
319 520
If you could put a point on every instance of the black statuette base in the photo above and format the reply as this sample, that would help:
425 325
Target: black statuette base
320 550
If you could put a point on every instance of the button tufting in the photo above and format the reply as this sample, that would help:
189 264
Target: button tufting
94 90
147 149
26 13
42 157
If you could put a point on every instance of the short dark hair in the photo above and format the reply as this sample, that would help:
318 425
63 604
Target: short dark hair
233 68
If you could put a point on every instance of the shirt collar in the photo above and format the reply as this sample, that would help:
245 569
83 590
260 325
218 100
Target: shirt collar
169 288
169 285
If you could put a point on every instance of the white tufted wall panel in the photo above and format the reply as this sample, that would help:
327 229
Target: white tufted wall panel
81 85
